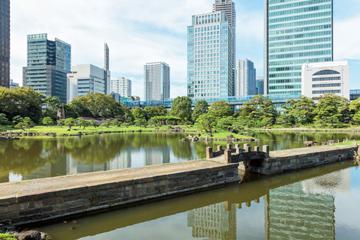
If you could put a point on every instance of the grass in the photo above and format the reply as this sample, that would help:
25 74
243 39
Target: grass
7 236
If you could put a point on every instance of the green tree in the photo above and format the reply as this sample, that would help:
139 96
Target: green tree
97 105
155 112
139 116
298 112
206 123
47 121
24 124
332 111
24 102
181 108
52 106
3 119
201 107
258 112
225 123
69 122
221 109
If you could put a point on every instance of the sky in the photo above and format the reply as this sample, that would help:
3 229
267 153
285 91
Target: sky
141 31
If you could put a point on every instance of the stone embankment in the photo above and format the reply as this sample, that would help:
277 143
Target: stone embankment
43 200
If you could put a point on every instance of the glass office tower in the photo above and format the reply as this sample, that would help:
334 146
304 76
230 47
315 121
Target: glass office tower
48 63
157 81
210 60
297 32
5 43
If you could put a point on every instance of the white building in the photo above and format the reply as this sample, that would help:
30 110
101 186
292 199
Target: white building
325 78
121 86
246 79
85 79
157 81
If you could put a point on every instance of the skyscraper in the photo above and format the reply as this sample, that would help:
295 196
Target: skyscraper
296 32
48 62
85 79
107 68
260 86
5 43
246 79
229 7
157 81
210 57
121 86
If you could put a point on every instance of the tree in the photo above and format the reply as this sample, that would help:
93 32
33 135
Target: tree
298 112
139 116
258 112
3 119
225 123
24 124
155 112
69 122
201 107
165 120
83 122
97 105
206 123
332 111
181 108
221 109
52 106
47 121
24 102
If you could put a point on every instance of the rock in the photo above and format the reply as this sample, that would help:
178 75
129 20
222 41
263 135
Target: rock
29 235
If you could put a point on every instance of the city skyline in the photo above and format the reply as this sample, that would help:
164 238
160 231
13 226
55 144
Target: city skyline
162 38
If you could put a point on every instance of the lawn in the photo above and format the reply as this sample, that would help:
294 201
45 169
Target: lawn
7 236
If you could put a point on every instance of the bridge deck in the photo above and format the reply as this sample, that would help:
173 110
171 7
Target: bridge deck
54 184
305 151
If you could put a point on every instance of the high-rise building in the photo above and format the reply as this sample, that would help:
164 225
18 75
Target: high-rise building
157 81
325 78
246 79
85 79
296 32
210 70
229 7
121 86
107 68
5 43
260 86
48 63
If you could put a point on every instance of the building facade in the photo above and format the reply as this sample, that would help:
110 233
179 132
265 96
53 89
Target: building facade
157 81
296 32
5 43
48 63
246 79
107 68
85 79
210 67
229 7
260 86
121 86
325 78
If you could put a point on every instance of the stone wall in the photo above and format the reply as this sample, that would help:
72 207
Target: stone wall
281 164
81 200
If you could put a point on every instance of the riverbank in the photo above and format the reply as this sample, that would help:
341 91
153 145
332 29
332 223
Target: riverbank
63 131
309 129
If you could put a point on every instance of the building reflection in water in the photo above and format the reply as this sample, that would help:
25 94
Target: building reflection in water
156 156
305 210
215 222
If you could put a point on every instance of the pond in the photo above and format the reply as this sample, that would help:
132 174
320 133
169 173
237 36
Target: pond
39 158
318 203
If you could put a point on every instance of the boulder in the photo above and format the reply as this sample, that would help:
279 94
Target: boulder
32 235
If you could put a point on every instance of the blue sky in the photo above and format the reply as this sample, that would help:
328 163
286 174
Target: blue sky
140 31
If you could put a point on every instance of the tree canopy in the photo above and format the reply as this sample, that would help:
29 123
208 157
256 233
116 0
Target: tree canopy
182 108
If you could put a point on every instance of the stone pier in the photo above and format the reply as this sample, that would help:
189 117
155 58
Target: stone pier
43 200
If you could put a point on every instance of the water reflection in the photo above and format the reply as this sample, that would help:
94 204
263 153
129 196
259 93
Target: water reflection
294 206
38 158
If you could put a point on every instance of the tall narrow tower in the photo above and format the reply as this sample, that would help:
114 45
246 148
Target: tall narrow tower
5 43
107 68
228 6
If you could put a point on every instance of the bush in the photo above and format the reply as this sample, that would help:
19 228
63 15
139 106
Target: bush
24 124
3 119
48 121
